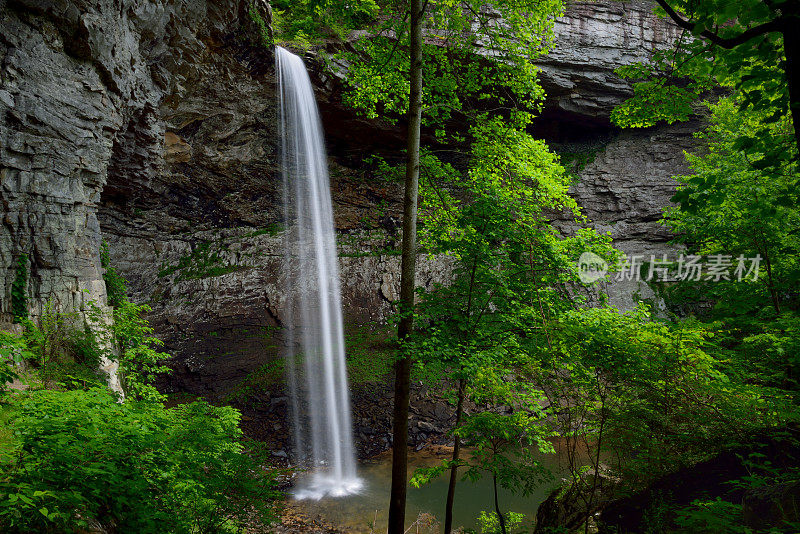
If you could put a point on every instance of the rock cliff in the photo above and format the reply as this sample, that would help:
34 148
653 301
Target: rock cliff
81 93
152 124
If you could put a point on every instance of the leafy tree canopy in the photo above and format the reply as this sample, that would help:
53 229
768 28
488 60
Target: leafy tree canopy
749 46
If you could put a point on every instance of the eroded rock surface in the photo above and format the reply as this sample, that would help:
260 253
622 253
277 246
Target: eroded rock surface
81 88
592 40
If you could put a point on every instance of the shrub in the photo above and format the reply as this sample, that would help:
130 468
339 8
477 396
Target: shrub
19 290
80 458
140 359
64 352
115 284
13 349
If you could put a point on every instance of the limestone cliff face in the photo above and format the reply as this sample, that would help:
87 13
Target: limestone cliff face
152 124
592 39
82 85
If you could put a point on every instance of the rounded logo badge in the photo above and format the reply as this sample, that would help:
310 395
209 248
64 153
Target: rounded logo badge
591 267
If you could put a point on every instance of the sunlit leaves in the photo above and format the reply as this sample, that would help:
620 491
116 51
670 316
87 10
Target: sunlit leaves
473 52
654 102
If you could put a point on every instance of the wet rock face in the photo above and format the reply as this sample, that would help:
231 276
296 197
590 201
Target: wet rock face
265 417
57 118
81 88
153 124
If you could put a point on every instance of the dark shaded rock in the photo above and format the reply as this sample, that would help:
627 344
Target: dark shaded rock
772 506
706 480
569 509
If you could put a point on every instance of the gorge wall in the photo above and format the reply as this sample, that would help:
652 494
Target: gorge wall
152 124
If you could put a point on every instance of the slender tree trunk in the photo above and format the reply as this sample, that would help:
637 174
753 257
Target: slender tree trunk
397 500
771 284
762 247
497 506
451 488
596 478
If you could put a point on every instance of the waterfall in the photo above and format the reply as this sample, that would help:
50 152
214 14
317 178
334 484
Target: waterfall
320 398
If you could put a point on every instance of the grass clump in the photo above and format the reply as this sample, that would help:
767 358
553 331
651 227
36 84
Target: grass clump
204 261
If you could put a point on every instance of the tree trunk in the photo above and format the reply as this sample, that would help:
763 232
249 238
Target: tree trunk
497 506
776 303
397 500
451 488
791 47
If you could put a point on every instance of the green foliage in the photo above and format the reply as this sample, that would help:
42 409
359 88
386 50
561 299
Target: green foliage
64 351
508 283
13 350
80 458
711 57
261 26
654 102
727 206
511 265
74 458
711 516
508 447
764 351
67 349
140 361
486 201
653 390
741 199
19 290
299 22
457 83
490 523
115 283
7 374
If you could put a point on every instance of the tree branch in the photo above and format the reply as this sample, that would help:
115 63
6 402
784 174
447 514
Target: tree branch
775 25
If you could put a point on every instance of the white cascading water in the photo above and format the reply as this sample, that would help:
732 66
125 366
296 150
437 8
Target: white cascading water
320 397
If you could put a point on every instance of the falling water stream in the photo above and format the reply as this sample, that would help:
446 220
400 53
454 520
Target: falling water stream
320 402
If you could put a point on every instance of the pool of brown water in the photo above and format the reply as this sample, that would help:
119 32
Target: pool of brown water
366 511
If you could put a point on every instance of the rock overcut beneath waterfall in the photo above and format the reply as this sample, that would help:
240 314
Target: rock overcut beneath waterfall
153 124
